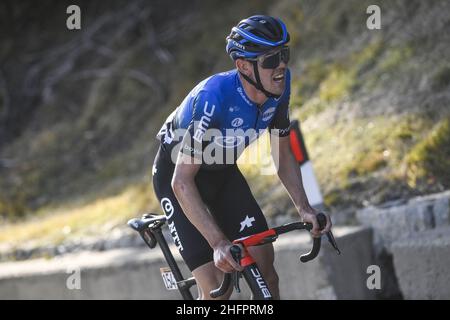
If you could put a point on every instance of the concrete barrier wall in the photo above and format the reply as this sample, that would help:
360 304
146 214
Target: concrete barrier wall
330 276
115 274
134 273
412 247
409 247
422 264
393 222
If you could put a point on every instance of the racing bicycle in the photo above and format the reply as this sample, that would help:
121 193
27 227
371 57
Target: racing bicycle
149 227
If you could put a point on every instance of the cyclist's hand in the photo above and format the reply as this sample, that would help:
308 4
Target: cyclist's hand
328 225
223 259
311 217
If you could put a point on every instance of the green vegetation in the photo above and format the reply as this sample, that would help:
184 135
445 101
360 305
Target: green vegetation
441 79
322 85
395 57
336 86
355 159
371 104
429 159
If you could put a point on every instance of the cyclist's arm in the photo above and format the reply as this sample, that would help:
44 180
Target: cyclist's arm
291 177
288 169
186 191
290 174
205 116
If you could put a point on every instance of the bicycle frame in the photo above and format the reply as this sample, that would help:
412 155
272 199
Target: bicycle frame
149 228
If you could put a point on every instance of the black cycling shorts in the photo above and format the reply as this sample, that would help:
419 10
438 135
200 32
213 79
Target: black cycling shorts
228 198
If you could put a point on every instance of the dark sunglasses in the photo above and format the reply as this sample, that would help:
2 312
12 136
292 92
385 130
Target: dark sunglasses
273 60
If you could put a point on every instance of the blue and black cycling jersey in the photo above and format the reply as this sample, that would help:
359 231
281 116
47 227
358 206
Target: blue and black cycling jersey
217 116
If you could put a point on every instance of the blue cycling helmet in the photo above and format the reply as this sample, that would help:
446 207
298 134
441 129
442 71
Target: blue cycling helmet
256 35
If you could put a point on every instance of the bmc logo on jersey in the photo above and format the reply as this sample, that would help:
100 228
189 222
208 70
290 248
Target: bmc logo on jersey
237 122
204 122
229 142
268 114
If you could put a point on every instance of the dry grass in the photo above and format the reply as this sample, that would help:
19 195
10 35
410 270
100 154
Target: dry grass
55 225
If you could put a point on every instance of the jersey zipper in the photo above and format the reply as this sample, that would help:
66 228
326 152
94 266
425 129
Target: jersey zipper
258 113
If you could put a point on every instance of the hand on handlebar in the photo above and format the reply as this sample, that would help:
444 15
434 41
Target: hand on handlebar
311 217
328 225
223 259
263 237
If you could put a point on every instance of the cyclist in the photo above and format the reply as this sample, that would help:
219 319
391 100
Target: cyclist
204 195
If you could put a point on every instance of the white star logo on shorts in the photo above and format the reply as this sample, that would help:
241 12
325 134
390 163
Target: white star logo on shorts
247 223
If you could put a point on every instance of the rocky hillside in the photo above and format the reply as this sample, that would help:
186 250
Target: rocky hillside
79 109
374 104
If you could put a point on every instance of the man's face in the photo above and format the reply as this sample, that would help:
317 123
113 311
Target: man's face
273 80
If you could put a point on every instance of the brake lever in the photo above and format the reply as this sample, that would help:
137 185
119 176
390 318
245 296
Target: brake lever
236 276
229 277
322 222
236 253
333 241
321 219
